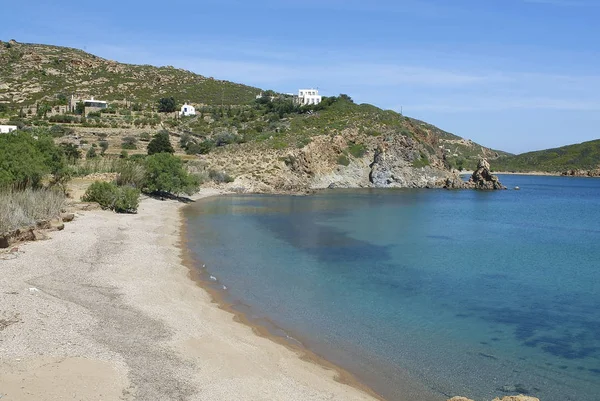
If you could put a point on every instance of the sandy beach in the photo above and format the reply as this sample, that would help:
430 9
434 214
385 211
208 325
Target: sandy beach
106 310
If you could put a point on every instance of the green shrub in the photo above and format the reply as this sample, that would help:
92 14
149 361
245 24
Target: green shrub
110 196
24 160
160 143
103 193
129 142
127 200
91 153
357 150
421 162
144 136
343 160
165 173
103 147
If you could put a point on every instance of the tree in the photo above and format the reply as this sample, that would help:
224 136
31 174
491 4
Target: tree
165 173
103 147
166 105
72 153
80 108
91 153
160 143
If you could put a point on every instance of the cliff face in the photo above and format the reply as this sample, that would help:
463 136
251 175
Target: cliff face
394 161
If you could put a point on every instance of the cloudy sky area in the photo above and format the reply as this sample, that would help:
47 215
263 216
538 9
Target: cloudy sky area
516 75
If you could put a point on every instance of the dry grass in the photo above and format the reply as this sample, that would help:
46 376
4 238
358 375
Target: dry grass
24 208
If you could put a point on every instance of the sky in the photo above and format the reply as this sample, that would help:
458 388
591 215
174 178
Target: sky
514 75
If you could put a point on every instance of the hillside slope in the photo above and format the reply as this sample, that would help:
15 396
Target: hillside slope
30 73
266 144
583 157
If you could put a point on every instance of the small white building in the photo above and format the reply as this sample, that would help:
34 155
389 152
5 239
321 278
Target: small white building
308 96
95 104
187 110
5 129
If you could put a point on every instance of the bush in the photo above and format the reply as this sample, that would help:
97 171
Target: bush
225 138
110 196
219 176
91 153
129 143
103 147
343 160
130 173
357 150
165 173
160 143
24 160
144 136
58 131
127 200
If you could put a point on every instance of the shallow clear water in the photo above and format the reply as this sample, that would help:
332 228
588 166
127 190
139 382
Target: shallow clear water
463 292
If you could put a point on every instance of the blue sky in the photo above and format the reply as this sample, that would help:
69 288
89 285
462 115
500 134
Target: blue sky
516 75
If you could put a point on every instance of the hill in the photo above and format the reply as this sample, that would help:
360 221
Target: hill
32 73
577 159
265 144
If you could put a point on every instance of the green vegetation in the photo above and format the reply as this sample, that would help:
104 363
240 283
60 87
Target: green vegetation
357 150
582 156
160 143
165 173
111 196
423 161
167 105
25 160
343 160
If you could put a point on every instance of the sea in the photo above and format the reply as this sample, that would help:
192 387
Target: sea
422 294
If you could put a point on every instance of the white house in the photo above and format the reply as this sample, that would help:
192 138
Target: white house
5 129
308 96
96 104
187 110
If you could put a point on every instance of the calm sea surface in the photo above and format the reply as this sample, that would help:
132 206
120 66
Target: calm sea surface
433 293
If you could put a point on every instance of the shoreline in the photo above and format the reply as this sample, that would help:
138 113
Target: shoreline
99 314
341 375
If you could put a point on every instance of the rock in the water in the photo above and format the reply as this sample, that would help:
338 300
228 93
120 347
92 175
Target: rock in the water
483 178
460 399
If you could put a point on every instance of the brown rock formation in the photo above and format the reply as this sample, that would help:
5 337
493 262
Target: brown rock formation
483 178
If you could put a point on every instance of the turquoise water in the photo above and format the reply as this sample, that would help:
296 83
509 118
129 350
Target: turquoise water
468 293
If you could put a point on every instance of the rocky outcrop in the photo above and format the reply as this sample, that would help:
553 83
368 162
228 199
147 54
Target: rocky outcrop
483 178
394 161
35 233
582 173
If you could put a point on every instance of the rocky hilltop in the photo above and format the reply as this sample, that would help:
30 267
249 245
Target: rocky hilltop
33 73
